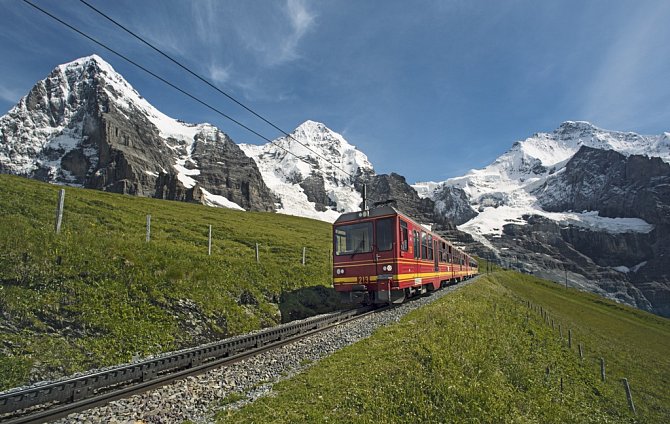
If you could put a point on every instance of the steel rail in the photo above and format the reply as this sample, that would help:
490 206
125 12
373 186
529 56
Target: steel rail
58 399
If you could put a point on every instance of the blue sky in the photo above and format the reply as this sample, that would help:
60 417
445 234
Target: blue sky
427 89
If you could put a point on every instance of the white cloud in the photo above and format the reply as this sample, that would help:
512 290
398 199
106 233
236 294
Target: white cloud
301 20
219 74
274 35
630 89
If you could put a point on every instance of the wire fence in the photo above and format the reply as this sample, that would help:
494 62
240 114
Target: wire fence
261 250
570 342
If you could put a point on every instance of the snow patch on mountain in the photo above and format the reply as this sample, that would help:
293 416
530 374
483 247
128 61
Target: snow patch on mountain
285 164
210 199
492 220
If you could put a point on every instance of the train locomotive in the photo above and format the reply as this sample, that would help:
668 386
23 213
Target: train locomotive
381 256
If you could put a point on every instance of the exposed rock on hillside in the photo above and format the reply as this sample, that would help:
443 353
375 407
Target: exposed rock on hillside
394 190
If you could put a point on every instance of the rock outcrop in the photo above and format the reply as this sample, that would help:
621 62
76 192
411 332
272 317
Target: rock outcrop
393 189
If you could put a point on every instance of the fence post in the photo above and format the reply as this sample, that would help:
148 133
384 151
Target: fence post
209 242
148 228
602 369
628 394
59 210
570 338
581 354
257 257
303 255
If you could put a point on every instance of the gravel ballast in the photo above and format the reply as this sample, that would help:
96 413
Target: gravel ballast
198 398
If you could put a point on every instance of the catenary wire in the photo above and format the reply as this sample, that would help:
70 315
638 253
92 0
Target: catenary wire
202 102
204 80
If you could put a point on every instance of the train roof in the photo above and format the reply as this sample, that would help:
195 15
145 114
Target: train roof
370 213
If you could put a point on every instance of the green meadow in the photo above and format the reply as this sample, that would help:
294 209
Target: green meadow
98 294
481 354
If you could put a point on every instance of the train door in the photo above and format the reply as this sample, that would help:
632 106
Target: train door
385 236
417 253
452 262
436 255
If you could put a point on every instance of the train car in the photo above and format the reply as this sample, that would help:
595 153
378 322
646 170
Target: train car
382 256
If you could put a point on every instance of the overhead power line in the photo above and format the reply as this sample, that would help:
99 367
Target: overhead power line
206 81
186 93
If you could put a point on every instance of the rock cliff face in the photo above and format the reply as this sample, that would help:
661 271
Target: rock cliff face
611 183
620 186
84 125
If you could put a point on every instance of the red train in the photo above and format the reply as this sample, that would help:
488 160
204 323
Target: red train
382 256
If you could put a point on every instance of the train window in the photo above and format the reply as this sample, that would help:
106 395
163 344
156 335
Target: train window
430 247
424 245
404 236
354 238
385 237
417 245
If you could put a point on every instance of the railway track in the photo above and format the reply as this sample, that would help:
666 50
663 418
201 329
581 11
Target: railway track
47 402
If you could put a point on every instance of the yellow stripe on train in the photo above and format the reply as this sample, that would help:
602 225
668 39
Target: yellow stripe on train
373 278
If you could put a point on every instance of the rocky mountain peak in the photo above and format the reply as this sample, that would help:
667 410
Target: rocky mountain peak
85 125
313 171
571 127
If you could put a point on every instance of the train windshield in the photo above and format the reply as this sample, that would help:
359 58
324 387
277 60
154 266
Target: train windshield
354 238
385 230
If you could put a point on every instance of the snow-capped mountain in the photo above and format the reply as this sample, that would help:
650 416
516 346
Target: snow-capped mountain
85 125
582 202
312 172
503 192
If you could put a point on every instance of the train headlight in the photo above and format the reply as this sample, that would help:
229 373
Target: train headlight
390 268
339 271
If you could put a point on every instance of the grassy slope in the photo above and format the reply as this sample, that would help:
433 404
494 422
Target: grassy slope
474 356
113 296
